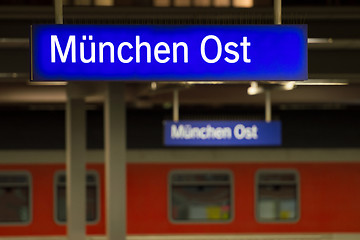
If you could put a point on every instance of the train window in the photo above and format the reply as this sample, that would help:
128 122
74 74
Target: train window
92 197
277 196
200 196
14 198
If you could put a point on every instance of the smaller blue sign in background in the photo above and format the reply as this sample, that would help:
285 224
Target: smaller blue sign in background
222 133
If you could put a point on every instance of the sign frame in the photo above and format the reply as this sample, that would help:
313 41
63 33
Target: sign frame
222 133
288 63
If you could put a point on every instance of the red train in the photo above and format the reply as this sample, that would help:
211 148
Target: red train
314 199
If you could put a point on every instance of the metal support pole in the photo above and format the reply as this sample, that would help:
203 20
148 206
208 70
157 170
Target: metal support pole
176 106
115 160
277 12
58 4
75 164
277 20
267 105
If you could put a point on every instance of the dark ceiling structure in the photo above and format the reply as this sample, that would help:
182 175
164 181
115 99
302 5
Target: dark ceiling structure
333 55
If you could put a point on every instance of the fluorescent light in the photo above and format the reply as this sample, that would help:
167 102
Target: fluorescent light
323 82
243 3
320 40
204 82
50 83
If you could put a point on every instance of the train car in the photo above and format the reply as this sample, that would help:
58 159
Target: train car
192 194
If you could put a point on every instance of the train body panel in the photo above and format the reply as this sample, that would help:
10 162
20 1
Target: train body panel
42 200
328 199
325 202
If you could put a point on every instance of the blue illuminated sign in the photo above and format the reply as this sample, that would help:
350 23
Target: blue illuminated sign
168 53
222 133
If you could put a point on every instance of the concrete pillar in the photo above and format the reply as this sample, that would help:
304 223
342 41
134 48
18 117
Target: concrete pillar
75 163
115 160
